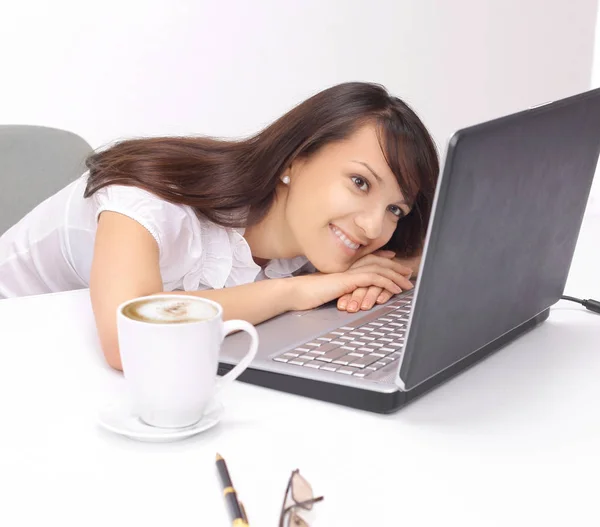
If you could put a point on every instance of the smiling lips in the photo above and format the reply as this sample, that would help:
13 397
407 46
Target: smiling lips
351 244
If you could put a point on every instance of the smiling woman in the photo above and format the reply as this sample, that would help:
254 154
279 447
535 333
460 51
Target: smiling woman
346 173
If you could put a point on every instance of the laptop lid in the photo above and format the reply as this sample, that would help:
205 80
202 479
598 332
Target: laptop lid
507 213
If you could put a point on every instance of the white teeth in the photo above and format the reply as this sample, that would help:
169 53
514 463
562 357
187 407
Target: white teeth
345 239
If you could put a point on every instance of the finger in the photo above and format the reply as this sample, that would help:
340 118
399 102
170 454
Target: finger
373 259
343 301
384 253
356 299
371 297
397 278
375 279
384 297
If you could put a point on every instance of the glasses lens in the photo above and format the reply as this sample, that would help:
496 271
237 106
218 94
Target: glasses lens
294 520
301 490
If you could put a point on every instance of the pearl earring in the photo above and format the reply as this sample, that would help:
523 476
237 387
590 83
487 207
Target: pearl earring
286 180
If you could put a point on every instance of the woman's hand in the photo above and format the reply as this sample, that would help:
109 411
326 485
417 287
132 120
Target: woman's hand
367 297
379 272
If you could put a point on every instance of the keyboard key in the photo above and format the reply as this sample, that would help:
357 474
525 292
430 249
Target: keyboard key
396 344
313 364
297 362
378 333
332 355
344 360
348 328
371 317
388 350
348 370
385 339
326 346
359 333
376 344
329 367
309 356
397 335
333 335
363 361
386 360
281 359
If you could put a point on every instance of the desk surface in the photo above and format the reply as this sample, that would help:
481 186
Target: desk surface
513 441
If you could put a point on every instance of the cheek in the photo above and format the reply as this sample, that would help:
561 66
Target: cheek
386 235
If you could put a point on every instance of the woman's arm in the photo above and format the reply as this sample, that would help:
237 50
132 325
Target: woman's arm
126 266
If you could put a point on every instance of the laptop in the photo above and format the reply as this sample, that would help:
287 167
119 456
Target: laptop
506 217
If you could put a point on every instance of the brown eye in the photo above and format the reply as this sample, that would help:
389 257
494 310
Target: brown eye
361 183
396 211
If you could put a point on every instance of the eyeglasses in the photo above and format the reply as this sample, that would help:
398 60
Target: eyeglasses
298 495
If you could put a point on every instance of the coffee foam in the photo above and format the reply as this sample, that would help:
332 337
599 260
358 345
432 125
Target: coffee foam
169 310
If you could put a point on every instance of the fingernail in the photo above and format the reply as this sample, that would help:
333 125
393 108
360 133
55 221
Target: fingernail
380 298
365 305
342 305
353 306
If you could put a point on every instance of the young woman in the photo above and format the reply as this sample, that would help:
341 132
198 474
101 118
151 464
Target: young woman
319 202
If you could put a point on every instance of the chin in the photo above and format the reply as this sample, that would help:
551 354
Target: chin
329 266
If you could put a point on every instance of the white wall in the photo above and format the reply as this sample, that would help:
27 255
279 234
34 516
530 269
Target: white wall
133 67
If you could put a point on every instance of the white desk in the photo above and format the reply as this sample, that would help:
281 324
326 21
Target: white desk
515 441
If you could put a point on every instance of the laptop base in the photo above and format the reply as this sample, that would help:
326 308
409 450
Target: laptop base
369 400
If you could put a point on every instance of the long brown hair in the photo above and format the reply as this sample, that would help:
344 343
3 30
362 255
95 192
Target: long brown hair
232 183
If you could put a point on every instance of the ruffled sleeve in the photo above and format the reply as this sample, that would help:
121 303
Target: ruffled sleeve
175 228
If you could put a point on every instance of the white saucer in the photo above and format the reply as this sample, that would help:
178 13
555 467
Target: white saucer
119 418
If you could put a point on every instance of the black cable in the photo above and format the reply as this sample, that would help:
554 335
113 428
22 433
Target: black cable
591 304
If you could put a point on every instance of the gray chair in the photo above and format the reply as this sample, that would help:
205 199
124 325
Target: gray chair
35 162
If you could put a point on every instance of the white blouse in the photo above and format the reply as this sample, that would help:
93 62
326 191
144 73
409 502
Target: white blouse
51 248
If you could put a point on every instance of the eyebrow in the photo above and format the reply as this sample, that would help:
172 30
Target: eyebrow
403 202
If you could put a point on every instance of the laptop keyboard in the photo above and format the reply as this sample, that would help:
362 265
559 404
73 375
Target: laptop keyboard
361 348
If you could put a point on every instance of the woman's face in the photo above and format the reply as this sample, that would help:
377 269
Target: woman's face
343 202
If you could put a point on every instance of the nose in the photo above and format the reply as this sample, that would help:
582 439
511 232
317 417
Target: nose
371 223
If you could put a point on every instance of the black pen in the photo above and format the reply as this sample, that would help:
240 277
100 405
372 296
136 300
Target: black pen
236 508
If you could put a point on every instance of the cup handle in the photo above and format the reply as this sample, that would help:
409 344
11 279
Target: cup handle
228 327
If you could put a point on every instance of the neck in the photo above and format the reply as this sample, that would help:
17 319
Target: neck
271 238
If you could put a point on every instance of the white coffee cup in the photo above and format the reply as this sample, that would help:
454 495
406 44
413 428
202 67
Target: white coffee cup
169 346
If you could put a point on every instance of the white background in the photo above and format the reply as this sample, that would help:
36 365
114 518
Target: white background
122 68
